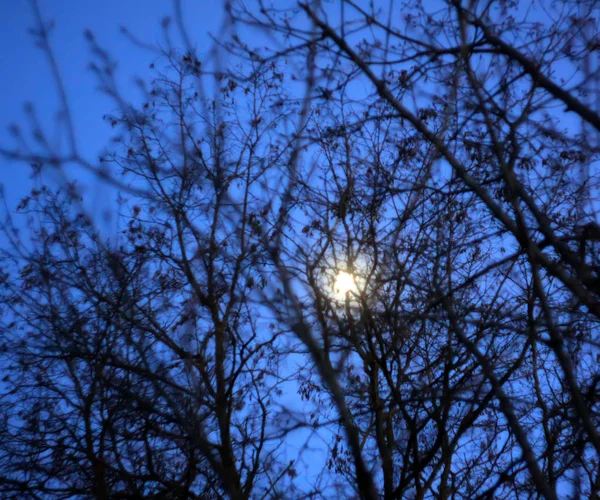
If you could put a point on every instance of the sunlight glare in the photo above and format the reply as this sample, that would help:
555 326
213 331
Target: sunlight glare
344 283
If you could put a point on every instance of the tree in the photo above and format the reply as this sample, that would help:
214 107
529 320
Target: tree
432 155
140 369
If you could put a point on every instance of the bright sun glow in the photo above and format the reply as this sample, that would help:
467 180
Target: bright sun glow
344 283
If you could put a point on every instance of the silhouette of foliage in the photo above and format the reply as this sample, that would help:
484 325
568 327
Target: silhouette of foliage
443 154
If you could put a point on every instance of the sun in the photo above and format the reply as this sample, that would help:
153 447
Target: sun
344 284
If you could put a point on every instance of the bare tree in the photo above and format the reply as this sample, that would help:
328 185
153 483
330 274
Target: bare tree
461 203
391 209
145 368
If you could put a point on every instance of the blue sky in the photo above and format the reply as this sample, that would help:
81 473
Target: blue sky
27 76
